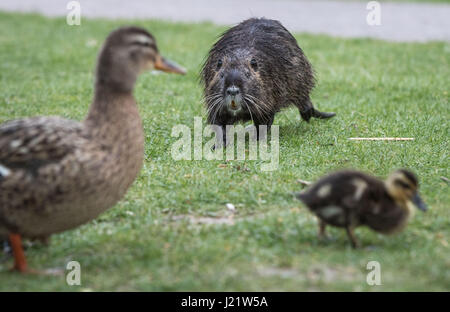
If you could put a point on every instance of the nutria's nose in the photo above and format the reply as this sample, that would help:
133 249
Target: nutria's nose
233 91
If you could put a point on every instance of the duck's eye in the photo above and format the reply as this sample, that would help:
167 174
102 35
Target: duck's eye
141 43
219 64
403 184
254 64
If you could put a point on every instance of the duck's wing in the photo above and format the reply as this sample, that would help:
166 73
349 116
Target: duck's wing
33 142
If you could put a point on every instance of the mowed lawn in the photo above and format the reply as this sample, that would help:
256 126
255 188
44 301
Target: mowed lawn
173 232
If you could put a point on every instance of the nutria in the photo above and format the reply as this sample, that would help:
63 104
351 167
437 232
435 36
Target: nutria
253 71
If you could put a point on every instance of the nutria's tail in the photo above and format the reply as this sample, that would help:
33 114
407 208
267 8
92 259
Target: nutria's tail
322 115
312 112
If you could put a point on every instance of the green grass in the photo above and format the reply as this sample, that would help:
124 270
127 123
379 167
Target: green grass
376 88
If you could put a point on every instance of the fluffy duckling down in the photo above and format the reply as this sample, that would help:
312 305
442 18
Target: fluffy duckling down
349 199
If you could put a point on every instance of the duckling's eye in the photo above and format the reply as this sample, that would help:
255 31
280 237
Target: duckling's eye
254 64
219 64
403 184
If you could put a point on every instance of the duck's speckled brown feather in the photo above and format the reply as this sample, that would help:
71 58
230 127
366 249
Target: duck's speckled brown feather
56 174
28 143
65 173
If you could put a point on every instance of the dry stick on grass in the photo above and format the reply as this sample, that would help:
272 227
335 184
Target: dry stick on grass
445 179
381 139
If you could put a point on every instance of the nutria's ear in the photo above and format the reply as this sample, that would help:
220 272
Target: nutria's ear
167 66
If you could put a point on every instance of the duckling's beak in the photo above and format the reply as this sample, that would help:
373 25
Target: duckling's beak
419 202
167 66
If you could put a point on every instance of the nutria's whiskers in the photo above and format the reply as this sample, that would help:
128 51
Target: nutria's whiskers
212 96
214 109
253 71
249 110
264 111
213 101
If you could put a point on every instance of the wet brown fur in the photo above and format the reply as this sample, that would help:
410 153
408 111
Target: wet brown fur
282 74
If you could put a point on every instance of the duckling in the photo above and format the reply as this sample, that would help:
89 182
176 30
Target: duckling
350 199
57 174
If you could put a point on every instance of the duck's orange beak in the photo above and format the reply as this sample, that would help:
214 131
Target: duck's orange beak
168 66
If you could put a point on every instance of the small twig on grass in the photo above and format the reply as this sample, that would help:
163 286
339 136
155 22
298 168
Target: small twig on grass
353 112
445 179
381 139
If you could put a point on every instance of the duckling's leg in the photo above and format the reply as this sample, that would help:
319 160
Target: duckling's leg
20 263
352 237
322 228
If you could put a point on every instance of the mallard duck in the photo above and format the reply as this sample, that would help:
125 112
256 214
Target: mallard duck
350 199
56 174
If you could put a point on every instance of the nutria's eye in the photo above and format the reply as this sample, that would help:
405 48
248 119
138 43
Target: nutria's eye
219 64
254 64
